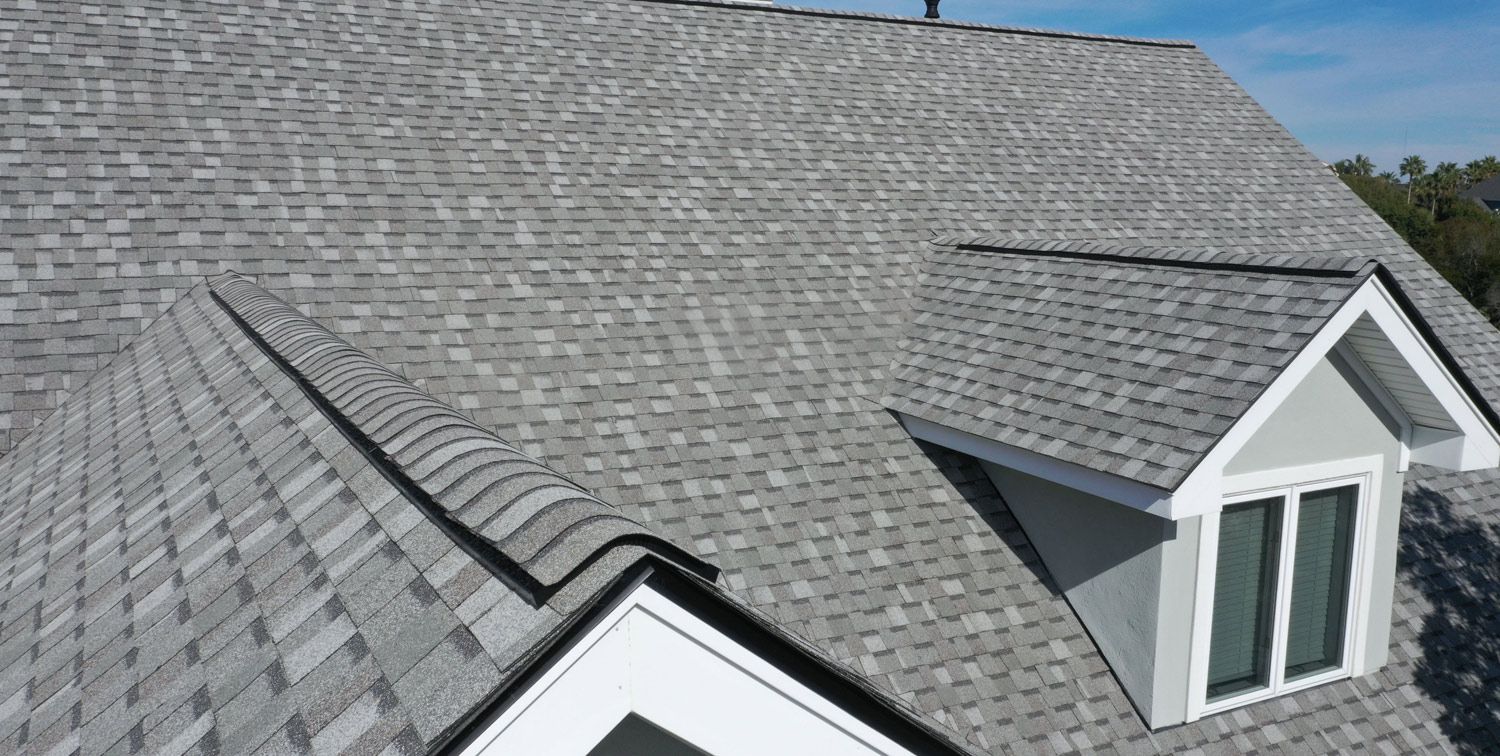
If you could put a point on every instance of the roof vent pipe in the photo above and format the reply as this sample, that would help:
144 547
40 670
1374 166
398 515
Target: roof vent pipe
932 11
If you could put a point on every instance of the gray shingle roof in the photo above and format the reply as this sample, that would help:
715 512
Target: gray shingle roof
1129 361
670 249
1486 193
192 559
283 551
525 520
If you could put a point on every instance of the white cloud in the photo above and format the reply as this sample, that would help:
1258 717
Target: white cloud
1373 87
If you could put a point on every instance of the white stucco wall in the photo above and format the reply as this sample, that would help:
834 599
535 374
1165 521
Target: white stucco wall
1131 576
1106 558
1332 417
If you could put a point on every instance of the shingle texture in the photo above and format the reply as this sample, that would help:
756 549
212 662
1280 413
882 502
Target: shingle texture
1129 362
540 528
670 250
192 559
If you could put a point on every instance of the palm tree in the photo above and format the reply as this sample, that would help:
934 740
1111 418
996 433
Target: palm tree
1363 165
1445 180
1388 177
1413 167
1481 169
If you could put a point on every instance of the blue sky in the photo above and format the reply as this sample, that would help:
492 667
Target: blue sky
1382 77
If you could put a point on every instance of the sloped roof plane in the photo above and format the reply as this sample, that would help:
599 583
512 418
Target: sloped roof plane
1134 372
530 523
194 558
1129 364
669 248
245 535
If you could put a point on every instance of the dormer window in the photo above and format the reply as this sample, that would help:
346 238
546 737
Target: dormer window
1283 589
1207 452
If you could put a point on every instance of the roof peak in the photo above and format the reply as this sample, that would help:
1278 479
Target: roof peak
920 21
1180 257
530 525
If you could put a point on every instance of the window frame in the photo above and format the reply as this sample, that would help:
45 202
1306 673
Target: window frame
1290 483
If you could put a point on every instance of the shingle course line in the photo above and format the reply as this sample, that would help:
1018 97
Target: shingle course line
541 554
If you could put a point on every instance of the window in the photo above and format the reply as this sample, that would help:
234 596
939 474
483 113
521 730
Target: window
1282 591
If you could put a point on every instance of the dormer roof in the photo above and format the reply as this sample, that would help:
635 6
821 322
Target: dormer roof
1136 362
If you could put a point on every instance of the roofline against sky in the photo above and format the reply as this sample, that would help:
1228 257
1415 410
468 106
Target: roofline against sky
920 21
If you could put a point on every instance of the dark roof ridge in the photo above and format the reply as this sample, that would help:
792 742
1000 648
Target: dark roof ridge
1181 257
920 21
536 538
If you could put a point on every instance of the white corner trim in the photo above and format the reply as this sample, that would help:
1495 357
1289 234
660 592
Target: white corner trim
1113 487
654 658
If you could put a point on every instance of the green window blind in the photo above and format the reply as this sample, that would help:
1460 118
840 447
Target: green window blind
1244 597
1320 581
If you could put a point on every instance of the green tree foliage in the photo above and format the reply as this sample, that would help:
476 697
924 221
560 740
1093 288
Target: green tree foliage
1457 237
1413 168
1481 169
1414 223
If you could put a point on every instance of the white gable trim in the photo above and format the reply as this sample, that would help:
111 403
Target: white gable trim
1392 406
1077 477
652 657
1475 446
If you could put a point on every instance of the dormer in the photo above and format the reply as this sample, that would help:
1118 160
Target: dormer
1206 451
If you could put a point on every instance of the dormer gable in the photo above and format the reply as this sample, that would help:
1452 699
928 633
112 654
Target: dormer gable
1135 374
1207 452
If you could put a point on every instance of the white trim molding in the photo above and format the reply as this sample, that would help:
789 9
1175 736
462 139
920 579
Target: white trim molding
1112 487
1289 483
1474 446
651 657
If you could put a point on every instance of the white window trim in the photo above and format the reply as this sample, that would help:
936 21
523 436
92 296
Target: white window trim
654 658
1366 471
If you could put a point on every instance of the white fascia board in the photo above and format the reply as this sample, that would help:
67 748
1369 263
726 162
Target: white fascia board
1477 448
655 658
1104 485
1481 438
1344 352
1481 441
1481 447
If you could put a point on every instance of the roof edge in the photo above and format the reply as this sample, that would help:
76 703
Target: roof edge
722 609
1178 257
529 525
887 18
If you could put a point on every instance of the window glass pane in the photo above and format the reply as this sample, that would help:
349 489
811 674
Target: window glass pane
1244 598
1320 581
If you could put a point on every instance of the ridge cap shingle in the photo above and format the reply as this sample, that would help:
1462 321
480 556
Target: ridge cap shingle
1171 256
537 538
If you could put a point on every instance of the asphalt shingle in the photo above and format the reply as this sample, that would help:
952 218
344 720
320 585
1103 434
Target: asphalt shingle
169 585
1132 362
668 248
